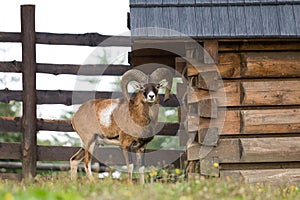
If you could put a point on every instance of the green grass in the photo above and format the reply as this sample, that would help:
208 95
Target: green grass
58 186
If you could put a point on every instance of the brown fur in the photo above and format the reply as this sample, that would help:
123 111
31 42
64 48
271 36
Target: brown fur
132 123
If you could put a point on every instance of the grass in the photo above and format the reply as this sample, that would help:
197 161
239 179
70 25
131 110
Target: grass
58 186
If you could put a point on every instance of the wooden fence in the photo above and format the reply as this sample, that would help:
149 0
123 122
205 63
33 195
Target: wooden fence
28 151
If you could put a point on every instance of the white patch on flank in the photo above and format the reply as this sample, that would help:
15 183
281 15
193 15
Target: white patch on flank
105 115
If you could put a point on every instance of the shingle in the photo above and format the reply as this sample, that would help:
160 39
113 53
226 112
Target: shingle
286 20
138 21
236 1
187 21
270 20
203 1
207 22
154 18
199 20
297 18
220 21
240 21
171 18
170 2
231 21
187 2
253 20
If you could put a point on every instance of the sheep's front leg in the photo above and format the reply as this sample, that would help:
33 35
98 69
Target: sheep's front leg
140 160
128 159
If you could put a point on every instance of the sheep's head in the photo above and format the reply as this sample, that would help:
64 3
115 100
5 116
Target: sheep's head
148 84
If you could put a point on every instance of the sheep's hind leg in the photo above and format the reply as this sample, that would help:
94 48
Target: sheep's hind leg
88 160
74 162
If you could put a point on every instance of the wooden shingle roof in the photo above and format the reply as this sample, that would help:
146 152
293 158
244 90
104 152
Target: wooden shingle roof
216 18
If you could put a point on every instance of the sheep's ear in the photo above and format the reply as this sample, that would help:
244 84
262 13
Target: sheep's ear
137 86
162 84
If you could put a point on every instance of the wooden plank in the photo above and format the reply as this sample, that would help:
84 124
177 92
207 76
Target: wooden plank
211 51
227 95
10 150
227 123
13 124
91 70
162 60
209 167
271 93
271 149
209 80
259 45
29 145
269 176
270 121
257 150
208 136
86 39
245 93
73 97
271 64
108 155
256 65
180 65
208 108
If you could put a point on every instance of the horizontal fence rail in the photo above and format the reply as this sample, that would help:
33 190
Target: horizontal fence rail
110 155
56 69
86 39
13 124
73 97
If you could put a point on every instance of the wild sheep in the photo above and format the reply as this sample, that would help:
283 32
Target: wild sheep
127 122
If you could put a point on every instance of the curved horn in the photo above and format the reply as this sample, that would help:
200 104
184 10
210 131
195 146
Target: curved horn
160 74
132 75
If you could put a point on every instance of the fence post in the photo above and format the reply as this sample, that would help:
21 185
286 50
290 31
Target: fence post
29 145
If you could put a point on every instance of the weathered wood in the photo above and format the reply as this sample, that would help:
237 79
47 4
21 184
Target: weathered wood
270 149
208 136
73 97
155 60
208 108
255 65
91 70
250 122
192 151
229 124
87 39
257 150
183 138
180 65
253 93
10 150
208 80
274 44
271 93
211 55
269 176
13 124
279 64
29 145
51 166
270 121
108 155
209 167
